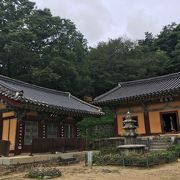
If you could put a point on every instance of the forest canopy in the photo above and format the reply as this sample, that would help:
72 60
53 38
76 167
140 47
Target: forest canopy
50 51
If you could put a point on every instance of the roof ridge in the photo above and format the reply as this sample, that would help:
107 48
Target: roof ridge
123 84
108 92
149 79
32 95
91 105
33 86
8 87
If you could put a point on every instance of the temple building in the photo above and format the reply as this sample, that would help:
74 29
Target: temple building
154 104
28 111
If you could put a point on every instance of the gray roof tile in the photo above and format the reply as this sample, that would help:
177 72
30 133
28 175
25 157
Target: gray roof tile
141 88
44 96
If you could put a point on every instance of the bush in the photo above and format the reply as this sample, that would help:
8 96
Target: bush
87 124
134 159
43 173
175 148
111 150
107 159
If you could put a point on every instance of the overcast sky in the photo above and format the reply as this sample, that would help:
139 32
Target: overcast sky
99 20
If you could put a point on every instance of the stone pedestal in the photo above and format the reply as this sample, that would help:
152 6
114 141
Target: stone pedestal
129 148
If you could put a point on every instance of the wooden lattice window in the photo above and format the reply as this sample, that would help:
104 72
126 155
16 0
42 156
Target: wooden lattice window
31 131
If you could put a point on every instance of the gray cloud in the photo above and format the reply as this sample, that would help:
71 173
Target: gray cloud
90 16
99 20
139 22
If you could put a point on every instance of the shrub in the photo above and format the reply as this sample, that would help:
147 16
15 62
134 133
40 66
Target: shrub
175 148
87 124
43 173
134 159
111 150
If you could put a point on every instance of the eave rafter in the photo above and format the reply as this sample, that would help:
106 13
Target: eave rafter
29 104
138 98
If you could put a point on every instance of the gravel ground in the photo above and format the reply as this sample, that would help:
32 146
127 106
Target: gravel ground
80 172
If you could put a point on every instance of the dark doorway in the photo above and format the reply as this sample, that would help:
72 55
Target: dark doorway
169 121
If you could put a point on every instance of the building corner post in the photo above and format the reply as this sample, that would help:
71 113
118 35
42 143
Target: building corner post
1 125
115 123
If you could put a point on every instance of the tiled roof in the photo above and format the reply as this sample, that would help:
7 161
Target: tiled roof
57 101
142 89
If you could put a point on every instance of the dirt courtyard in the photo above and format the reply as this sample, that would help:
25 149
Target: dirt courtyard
80 172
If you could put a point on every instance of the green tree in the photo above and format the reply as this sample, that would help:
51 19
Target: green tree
168 38
174 63
123 60
40 48
63 50
15 55
107 63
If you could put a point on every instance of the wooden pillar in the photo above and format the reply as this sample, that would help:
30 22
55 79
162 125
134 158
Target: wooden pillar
44 130
74 130
19 137
146 118
41 129
77 132
20 127
61 131
116 125
1 126
147 123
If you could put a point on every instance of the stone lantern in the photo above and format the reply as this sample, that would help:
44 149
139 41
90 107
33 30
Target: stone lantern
130 129
130 136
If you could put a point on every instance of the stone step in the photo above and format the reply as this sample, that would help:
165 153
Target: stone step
160 140
158 143
159 147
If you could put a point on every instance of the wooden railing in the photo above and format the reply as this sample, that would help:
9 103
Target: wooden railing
42 145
